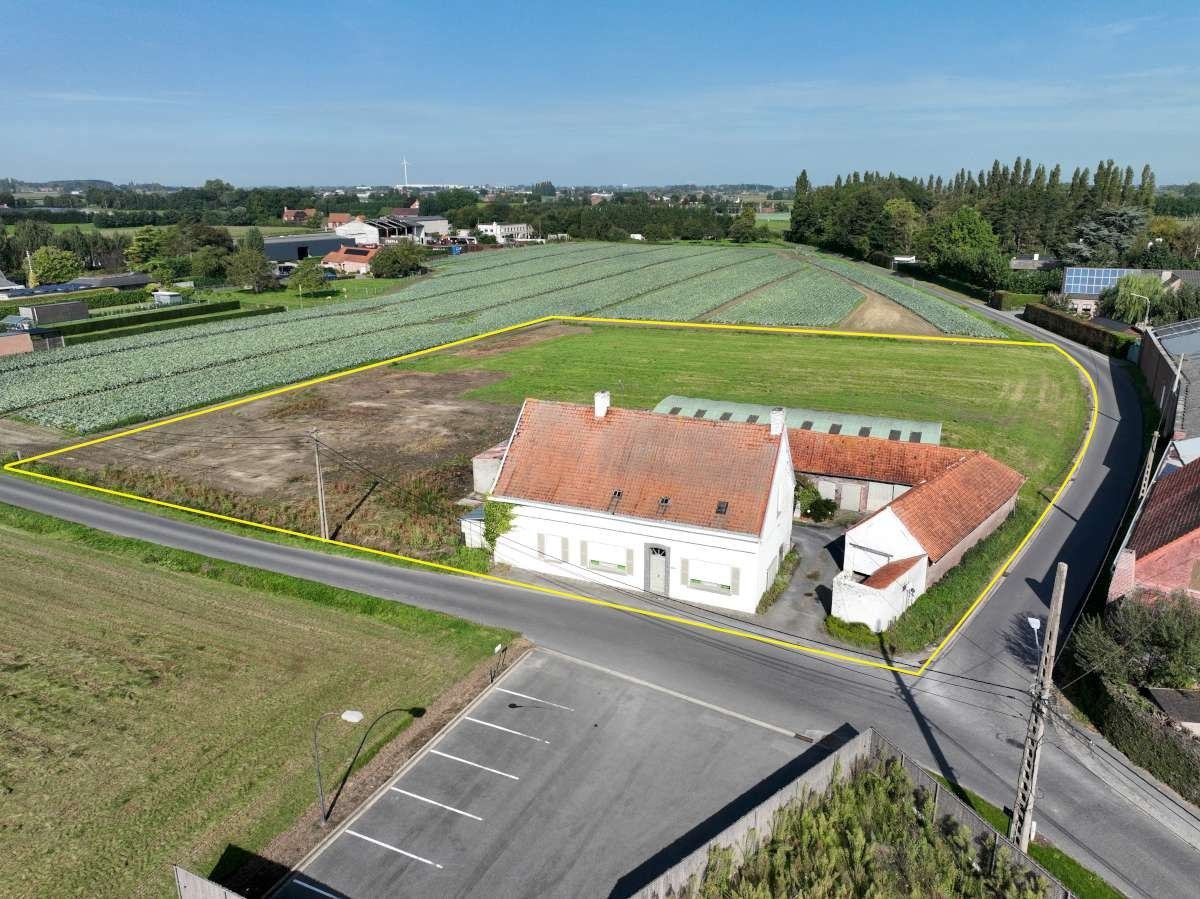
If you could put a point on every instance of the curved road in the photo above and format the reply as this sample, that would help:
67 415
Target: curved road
966 718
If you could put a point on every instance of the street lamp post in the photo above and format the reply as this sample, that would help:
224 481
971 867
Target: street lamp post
352 716
1146 321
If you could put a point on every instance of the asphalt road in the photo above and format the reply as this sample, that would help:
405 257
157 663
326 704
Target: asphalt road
955 719
516 798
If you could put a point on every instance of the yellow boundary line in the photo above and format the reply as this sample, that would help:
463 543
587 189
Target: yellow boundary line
18 468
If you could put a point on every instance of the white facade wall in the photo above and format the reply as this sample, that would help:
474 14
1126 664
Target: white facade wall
613 550
506 231
877 608
856 495
873 543
435 228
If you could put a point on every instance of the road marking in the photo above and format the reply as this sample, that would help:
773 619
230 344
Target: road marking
507 730
438 804
355 833
309 886
455 758
534 698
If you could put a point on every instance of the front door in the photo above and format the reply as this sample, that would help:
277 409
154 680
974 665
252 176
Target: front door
656 570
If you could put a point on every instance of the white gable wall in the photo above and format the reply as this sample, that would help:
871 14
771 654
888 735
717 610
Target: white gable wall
877 608
878 540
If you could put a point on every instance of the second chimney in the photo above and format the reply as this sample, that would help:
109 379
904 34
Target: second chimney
601 403
777 418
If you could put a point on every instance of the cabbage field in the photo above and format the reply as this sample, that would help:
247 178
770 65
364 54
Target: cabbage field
811 297
102 385
942 315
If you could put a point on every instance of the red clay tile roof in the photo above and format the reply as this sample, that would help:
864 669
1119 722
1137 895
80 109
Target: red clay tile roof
562 454
1172 510
887 575
940 512
337 218
350 254
869 458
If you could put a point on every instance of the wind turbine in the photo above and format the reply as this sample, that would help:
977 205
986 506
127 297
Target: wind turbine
404 162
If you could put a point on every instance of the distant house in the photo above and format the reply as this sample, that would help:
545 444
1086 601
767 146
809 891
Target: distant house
408 211
337 218
298 215
680 507
506 232
1082 285
7 285
1033 262
597 198
1161 554
355 260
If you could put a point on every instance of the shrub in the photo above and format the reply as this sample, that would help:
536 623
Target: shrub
1108 342
782 579
497 520
1006 299
854 633
398 260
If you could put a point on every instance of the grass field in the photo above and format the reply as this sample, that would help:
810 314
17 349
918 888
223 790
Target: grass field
776 221
1024 406
158 705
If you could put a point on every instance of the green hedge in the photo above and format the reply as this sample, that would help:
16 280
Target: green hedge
175 323
166 313
1109 342
1146 736
1006 299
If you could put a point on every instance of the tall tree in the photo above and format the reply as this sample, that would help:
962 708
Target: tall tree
50 265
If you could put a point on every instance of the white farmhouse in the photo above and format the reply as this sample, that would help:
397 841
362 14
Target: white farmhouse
680 507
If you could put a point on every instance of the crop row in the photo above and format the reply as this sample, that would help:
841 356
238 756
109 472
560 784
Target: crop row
686 300
150 380
942 315
477 261
811 297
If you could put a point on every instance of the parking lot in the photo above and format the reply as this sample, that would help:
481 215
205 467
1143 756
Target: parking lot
562 779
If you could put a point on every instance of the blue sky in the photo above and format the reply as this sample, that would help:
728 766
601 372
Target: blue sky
616 92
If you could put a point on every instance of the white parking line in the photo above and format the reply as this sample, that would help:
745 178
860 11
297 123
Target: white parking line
317 890
438 804
507 730
355 833
455 758
534 698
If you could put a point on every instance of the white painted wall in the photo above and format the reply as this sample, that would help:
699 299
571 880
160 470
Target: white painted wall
873 543
856 602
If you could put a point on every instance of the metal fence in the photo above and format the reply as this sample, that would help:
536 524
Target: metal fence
193 886
745 834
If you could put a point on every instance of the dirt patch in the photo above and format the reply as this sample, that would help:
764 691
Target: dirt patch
495 346
27 439
285 851
878 313
395 451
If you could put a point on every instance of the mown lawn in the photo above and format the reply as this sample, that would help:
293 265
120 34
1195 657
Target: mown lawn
158 705
1023 405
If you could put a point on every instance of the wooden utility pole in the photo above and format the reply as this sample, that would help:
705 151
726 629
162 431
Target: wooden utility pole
1021 829
320 486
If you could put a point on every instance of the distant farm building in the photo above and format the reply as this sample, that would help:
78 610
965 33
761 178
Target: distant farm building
678 507
337 218
394 229
1083 285
506 232
295 247
1033 262
167 297
351 260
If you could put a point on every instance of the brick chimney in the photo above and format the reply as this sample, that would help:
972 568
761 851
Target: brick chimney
601 403
777 419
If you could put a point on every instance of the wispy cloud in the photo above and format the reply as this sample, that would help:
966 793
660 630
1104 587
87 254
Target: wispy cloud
89 97
1108 31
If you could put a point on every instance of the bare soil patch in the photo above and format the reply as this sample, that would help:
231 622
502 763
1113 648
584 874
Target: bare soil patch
879 314
395 456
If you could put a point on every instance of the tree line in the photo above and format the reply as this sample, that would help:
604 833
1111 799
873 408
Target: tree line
968 225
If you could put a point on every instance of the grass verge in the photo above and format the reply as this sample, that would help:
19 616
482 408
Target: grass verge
784 577
1080 880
